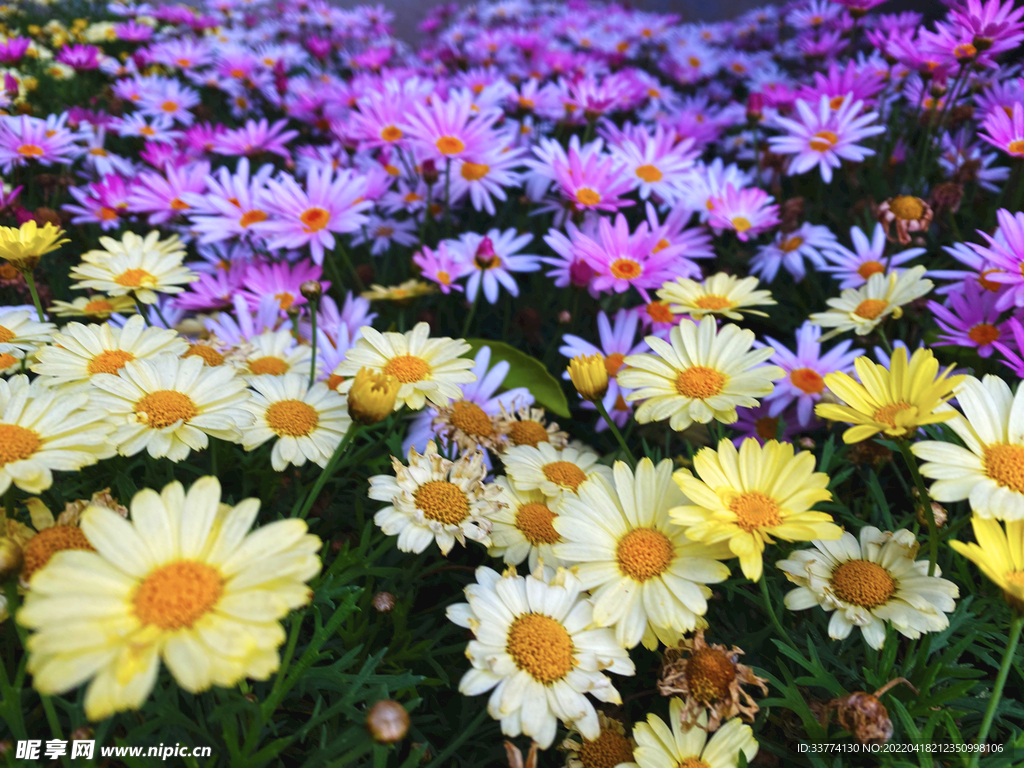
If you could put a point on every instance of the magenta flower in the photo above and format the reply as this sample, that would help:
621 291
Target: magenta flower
132 32
1005 132
448 129
163 197
593 181
102 202
441 266
748 211
231 204
300 217
281 280
213 290
12 50
1005 258
27 139
1012 351
969 319
994 26
80 57
254 138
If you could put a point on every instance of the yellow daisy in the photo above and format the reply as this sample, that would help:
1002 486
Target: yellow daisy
429 369
999 555
662 746
23 246
404 292
895 401
41 431
96 307
184 581
646 577
701 373
80 351
168 405
863 309
720 294
309 423
136 266
747 496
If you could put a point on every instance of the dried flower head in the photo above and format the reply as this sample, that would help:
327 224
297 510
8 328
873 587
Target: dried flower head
709 676
387 722
527 426
863 715
908 213
614 747
469 426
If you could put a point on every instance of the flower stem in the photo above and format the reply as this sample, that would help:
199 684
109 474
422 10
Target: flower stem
997 691
329 470
31 280
472 311
933 530
141 309
615 431
314 306
763 582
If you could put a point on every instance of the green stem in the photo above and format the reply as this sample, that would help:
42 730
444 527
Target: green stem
997 691
472 311
933 529
31 280
615 431
329 470
141 309
447 197
156 308
349 265
763 581
314 305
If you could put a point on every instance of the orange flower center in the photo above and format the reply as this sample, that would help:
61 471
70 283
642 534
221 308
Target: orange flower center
472 419
714 302
315 219
179 205
587 196
17 443
107 214
6 361
442 502
292 418
661 245
790 244
699 382
659 312
407 368
649 173
807 381
540 646
564 474
49 541
1004 463
169 106
177 595
613 362
534 521
391 133
626 269
755 510
709 673
474 171
165 407
823 141
252 217
989 285
135 278
644 553
983 333
528 433
6 334
869 309
98 307
863 583
30 150
449 145
869 268
210 356
109 361
1016 147
269 365
606 751
741 224
887 413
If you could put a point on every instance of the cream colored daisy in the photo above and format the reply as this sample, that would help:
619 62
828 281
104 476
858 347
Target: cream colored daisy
869 583
522 527
96 307
9 364
659 746
705 373
271 353
429 369
554 472
400 294
136 266
309 423
41 431
720 294
184 581
611 749
79 351
528 426
863 309
536 648
746 497
169 406
989 471
435 499
647 578
19 333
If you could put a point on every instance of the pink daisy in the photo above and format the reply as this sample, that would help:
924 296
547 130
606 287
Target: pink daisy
1005 132
163 196
255 137
231 204
280 280
441 266
102 202
1005 258
27 139
80 57
450 129
970 319
593 182
747 212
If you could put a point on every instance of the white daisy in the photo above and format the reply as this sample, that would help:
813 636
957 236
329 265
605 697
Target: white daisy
141 267
646 576
522 527
309 423
721 294
552 471
868 583
20 334
435 498
272 353
863 309
535 647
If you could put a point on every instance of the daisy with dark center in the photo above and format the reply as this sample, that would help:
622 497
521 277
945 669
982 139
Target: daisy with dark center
721 294
854 268
536 648
870 583
613 748
895 400
528 426
709 676
556 473
863 309
308 422
660 745
435 499
522 527
647 578
747 496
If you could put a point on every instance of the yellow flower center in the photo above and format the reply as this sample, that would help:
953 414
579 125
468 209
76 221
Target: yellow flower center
474 171
292 418
699 382
614 362
98 307
659 312
253 217
472 419
790 244
333 381
648 173
714 301
285 300
587 196
907 207
177 595
1005 464
6 334
644 553
863 583
98 152
391 133
989 285
6 361
135 278
755 510
17 443
210 356
179 205
869 309
528 433
661 245
534 521
540 646
449 145
165 407
692 762
564 474
709 673
407 368
836 102
606 751
315 219
43 545
887 413
270 365
30 150
869 268
109 361
1016 147
442 502
983 333
807 381
741 224
823 141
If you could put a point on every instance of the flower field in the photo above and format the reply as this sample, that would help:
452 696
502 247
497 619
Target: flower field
576 386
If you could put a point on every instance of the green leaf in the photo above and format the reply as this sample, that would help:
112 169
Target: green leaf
526 372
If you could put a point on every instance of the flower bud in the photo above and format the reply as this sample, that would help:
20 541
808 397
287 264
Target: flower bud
564 317
11 557
589 375
383 602
372 396
755 107
387 721
311 290
429 171
938 511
